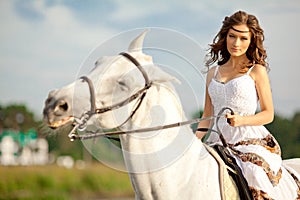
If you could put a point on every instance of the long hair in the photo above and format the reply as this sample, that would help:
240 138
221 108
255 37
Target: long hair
256 52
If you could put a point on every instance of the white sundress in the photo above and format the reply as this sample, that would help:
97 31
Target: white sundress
255 149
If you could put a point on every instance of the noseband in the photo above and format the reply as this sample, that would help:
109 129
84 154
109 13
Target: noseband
81 123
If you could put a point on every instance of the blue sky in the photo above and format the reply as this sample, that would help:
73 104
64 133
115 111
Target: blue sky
43 42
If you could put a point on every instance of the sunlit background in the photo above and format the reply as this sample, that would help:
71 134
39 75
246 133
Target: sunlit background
44 42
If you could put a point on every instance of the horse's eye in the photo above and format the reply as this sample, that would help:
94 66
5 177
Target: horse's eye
123 85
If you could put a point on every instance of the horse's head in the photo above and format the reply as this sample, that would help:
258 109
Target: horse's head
115 79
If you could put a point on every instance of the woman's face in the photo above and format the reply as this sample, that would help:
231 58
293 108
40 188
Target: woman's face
238 40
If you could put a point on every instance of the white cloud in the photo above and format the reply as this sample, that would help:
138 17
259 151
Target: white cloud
47 52
127 11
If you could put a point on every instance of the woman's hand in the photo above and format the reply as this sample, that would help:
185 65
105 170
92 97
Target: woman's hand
234 120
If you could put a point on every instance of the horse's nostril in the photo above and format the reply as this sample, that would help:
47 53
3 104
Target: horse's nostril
63 106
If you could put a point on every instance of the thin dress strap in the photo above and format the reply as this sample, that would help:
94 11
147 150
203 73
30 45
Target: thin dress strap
216 71
250 69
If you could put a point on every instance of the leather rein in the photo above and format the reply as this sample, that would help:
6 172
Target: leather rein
80 123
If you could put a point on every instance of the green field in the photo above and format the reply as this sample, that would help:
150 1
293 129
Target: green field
52 182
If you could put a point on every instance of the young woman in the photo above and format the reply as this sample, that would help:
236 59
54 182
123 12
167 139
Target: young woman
240 81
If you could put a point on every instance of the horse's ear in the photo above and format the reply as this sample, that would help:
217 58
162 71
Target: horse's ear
137 44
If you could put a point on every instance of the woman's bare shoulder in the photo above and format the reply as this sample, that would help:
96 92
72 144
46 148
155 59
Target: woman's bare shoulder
211 73
212 70
258 72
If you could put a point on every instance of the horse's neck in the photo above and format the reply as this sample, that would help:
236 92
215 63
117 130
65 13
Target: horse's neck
170 163
161 106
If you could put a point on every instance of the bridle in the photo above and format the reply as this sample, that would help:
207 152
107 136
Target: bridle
80 123
142 91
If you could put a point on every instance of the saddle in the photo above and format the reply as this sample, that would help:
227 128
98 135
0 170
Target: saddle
233 185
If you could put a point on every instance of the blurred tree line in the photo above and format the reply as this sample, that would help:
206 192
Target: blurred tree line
18 117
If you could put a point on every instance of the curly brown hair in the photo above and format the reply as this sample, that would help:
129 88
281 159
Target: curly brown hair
256 52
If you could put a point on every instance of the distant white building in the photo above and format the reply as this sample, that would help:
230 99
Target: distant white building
8 149
25 150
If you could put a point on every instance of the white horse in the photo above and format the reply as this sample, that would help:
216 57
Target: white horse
163 164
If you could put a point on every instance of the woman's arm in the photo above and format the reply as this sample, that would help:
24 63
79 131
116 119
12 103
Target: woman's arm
263 88
208 108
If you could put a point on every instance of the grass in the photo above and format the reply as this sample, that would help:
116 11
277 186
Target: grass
52 182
